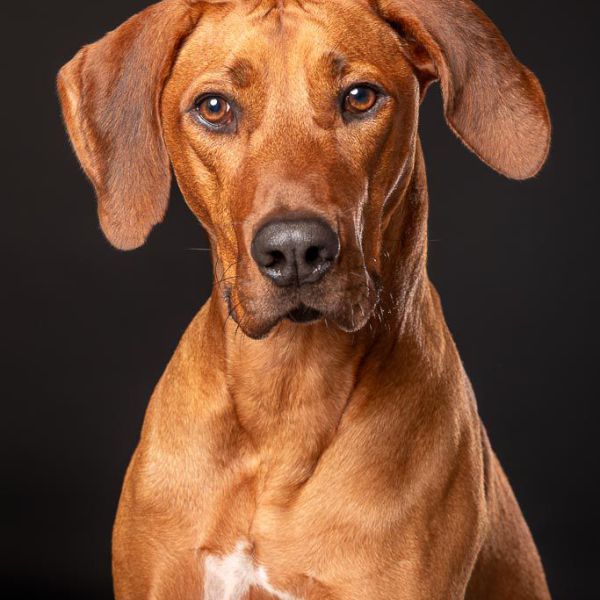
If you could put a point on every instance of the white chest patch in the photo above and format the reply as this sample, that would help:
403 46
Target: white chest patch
230 577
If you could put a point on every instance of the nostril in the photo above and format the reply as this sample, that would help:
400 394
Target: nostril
275 259
313 254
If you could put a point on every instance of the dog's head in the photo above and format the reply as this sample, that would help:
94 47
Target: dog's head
291 126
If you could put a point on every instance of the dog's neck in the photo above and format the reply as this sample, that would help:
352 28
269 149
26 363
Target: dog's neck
291 389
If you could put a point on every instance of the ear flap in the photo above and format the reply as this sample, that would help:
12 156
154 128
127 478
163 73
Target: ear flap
110 93
493 103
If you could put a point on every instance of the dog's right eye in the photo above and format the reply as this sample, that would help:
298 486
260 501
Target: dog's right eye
214 111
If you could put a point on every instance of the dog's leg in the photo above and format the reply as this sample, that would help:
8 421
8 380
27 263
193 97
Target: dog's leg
508 566
151 560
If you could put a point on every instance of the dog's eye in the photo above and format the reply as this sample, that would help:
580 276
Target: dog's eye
214 111
359 99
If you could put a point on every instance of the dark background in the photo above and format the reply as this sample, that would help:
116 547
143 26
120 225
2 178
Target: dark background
86 330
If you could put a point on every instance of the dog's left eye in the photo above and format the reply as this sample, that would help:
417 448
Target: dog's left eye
360 99
214 111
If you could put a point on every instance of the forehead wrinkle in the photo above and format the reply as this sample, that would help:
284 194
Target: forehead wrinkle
260 10
267 5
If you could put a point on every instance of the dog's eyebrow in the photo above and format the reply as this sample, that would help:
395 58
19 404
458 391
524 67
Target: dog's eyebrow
241 72
336 64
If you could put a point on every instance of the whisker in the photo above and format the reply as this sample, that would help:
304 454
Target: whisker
230 314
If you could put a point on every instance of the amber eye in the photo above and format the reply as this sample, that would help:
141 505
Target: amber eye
360 99
214 111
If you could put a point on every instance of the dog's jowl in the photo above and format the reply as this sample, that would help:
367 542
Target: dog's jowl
314 435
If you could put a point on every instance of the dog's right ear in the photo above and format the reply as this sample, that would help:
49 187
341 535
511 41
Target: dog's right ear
110 93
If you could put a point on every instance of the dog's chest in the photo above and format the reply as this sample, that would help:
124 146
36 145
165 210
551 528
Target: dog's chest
232 576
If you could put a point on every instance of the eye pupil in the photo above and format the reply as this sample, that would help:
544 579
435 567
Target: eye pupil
359 94
214 104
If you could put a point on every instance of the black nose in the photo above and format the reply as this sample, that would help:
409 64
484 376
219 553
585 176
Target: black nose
294 252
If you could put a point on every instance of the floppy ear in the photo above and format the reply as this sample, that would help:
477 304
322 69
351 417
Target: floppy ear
493 103
110 93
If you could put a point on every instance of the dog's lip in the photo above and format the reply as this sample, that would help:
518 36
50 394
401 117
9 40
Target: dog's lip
300 314
304 314
308 308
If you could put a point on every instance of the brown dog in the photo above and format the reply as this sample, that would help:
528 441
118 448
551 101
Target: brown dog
343 458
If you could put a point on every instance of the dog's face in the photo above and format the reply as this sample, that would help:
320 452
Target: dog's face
288 128
291 127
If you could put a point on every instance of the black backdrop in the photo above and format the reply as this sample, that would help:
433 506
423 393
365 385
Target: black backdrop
87 330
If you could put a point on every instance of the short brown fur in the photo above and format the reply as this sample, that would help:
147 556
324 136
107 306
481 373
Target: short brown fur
348 453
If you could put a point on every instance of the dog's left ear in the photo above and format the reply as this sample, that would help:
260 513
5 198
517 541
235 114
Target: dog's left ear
493 103
110 93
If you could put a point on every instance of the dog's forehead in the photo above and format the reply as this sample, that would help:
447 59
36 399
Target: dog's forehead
290 34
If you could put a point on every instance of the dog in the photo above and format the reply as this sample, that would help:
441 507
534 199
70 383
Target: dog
315 435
